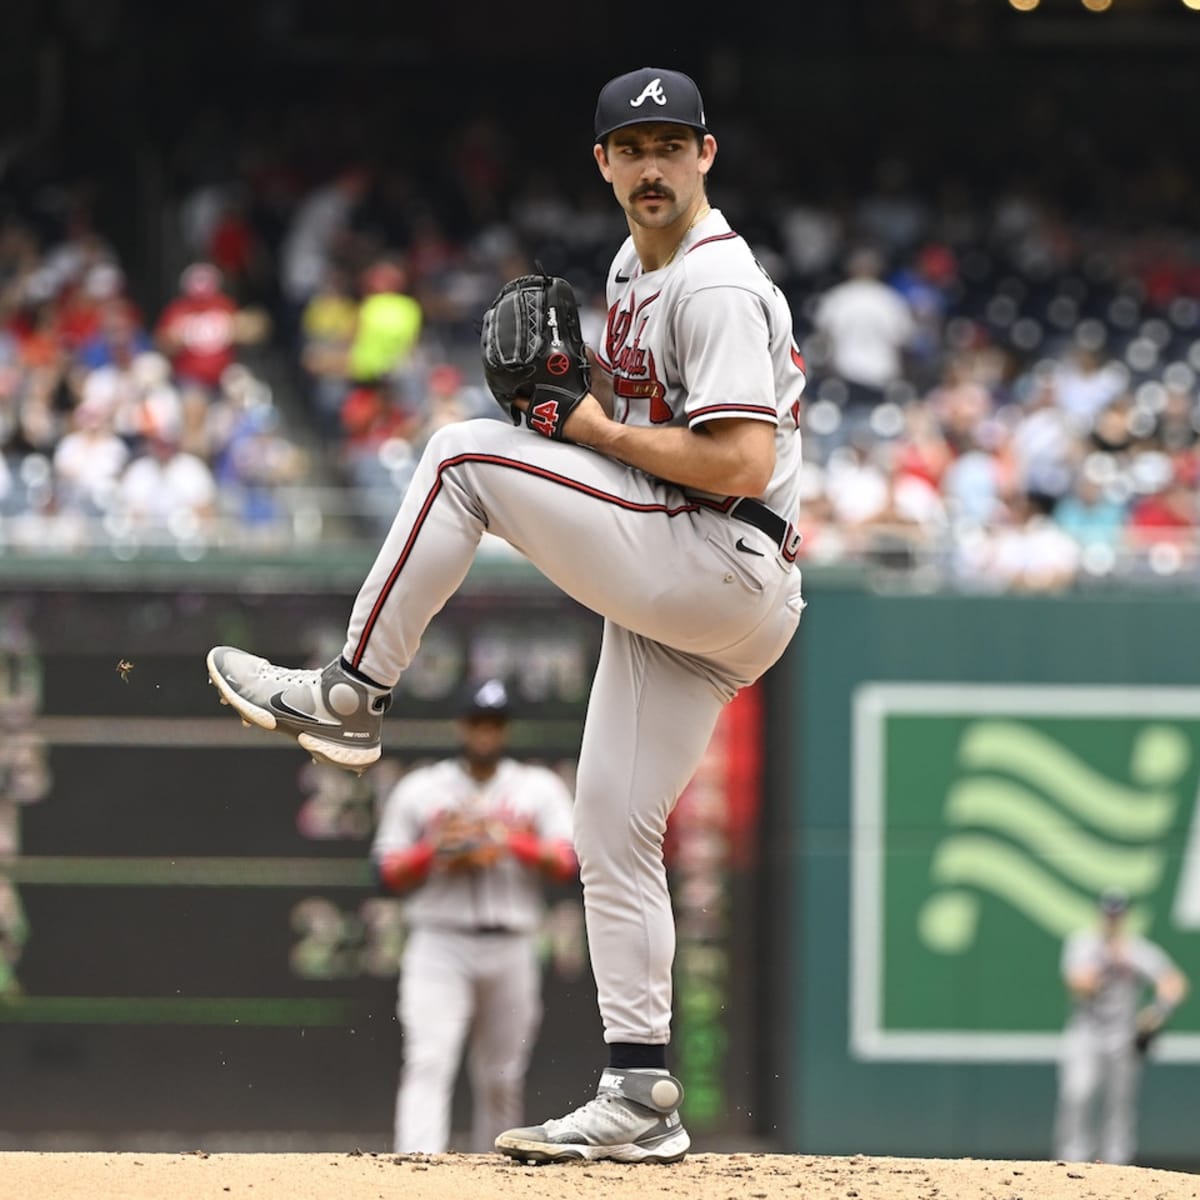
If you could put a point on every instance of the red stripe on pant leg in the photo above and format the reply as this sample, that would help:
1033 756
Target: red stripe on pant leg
511 464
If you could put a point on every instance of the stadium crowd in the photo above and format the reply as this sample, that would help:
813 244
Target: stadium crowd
1003 390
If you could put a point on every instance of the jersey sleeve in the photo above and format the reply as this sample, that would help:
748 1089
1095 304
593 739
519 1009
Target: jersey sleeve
1150 960
723 341
1077 955
399 824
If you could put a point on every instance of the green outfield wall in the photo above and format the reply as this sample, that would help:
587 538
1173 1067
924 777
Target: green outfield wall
968 772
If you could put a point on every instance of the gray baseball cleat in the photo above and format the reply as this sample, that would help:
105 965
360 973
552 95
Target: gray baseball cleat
334 716
634 1118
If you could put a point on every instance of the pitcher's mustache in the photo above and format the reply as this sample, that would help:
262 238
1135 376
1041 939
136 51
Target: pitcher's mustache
658 189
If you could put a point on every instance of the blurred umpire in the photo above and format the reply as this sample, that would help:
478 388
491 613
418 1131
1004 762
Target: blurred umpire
469 841
1106 970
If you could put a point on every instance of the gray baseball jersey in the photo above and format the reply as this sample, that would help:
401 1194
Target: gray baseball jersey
685 345
700 593
507 895
1123 978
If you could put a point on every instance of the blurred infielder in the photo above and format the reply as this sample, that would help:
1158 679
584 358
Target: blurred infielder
469 841
661 493
1106 971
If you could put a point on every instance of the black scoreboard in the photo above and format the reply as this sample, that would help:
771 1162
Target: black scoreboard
191 946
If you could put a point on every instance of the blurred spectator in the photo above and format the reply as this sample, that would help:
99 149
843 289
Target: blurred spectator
89 460
199 332
1088 382
255 462
118 338
812 236
960 403
1166 516
866 325
973 485
327 329
88 308
1028 552
387 327
1092 516
238 251
166 491
18 261
317 235
855 482
376 452
909 522
1045 441
928 283
449 398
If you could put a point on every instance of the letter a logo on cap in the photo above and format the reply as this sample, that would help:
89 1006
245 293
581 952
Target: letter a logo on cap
652 91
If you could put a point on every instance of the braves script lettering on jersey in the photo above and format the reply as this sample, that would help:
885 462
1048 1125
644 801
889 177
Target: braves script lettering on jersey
469 964
684 345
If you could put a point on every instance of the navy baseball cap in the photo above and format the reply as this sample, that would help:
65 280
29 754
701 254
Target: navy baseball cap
1113 902
488 699
649 94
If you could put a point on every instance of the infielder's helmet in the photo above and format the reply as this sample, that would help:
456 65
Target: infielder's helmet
649 94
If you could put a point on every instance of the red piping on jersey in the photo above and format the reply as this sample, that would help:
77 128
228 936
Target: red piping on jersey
716 237
494 460
763 409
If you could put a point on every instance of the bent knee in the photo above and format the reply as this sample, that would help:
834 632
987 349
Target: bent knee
601 845
475 434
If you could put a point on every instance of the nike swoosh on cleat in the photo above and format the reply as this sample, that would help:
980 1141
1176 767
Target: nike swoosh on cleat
619 278
280 705
741 545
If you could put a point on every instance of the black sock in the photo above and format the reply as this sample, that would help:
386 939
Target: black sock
625 1056
356 674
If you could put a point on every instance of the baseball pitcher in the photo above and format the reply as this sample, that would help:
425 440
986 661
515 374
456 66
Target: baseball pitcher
655 478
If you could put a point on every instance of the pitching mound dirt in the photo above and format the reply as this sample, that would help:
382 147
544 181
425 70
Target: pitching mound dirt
199 1176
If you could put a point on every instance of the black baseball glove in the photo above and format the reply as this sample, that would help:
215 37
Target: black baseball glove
532 348
1149 1025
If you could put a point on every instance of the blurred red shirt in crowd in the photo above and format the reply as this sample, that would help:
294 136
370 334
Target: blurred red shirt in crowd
196 330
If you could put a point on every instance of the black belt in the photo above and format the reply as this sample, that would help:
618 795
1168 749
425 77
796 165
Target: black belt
761 517
486 930
781 532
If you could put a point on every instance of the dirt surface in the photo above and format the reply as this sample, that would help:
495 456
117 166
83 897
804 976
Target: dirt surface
200 1176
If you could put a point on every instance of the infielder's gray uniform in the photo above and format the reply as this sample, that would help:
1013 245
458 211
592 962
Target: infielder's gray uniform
470 960
700 594
1098 1055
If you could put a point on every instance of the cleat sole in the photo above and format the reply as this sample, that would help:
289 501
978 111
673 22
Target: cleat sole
543 1154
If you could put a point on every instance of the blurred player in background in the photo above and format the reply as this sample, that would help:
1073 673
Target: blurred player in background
1106 970
469 842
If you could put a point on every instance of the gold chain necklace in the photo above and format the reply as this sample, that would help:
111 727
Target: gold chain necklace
701 213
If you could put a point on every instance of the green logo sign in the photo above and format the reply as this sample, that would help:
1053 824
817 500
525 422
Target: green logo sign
986 820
